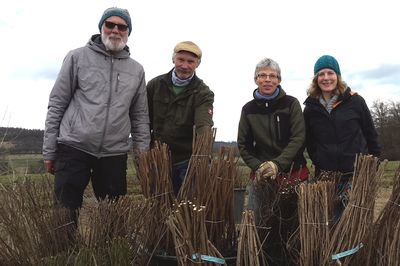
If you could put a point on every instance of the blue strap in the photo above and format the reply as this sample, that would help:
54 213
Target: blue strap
347 252
208 258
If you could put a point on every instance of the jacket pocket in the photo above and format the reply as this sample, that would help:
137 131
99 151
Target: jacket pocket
93 83
282 128
184 115
160 108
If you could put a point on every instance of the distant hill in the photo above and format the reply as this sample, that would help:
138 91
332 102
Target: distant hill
23 141
20 140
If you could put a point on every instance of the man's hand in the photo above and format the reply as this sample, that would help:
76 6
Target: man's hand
267 169
49 166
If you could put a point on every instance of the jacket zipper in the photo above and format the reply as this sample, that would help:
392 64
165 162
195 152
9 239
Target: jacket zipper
279 127
108 105
116 88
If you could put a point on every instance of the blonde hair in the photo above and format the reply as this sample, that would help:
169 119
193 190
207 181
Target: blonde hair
314 90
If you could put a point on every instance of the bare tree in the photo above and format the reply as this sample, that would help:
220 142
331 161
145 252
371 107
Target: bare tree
386 117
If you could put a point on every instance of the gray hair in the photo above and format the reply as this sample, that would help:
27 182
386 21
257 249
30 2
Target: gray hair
268 63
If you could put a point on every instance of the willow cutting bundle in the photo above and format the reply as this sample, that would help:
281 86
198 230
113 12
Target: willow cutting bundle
357 218
123 224
154 171
219 201
249 251
315 209
34 232
30 228
385 243
187 225
210 182
194 184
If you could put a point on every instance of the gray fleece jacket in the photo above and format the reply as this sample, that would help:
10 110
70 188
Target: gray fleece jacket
97 100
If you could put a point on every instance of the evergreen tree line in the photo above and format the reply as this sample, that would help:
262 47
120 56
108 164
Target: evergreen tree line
20 140
386 116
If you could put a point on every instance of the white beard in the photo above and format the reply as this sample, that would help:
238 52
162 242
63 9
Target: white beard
113 46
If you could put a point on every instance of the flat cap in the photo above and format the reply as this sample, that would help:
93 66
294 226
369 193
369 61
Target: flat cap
188 46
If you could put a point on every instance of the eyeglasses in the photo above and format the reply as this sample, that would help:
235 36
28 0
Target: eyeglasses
265 76
111 25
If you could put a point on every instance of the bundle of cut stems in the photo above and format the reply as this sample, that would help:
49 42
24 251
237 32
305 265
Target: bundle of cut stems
219 200
125 220
350 233
210 182
384 247
154 172
194 184
187 225
250 252
315 208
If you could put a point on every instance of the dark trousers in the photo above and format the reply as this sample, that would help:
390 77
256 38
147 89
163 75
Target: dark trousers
178 175
74 169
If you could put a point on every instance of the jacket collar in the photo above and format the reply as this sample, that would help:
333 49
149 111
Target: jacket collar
193 83
281 94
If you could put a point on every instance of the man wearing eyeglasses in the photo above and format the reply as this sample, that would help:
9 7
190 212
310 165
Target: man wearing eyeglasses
98 100
179 100
271 137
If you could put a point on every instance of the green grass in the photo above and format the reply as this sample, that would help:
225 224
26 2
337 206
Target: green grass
20 165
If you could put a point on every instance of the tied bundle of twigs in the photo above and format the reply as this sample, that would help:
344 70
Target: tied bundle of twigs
194 184
384 248
187 225
31 228
121 225
154 172
219 201
250 252
315 208
34 232
357 218
210 182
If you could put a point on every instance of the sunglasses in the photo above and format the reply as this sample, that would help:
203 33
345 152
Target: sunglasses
110 25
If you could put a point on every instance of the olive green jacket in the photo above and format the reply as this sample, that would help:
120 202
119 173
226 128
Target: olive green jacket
172 116
272 130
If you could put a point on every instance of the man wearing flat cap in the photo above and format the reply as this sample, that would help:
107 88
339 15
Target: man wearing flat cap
98 100
179 100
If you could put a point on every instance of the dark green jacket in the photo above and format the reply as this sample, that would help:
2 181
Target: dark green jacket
272 130
172 117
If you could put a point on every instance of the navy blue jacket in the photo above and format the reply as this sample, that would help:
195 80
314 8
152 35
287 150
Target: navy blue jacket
334 139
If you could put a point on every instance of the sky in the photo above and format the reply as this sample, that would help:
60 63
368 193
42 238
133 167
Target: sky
233 35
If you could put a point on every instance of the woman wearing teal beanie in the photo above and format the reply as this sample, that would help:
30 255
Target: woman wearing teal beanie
338 125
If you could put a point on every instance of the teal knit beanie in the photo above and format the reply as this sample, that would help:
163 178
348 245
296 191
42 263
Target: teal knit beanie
327 61
119 12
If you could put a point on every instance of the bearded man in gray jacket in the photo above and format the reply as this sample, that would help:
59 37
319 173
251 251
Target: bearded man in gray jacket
98 100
